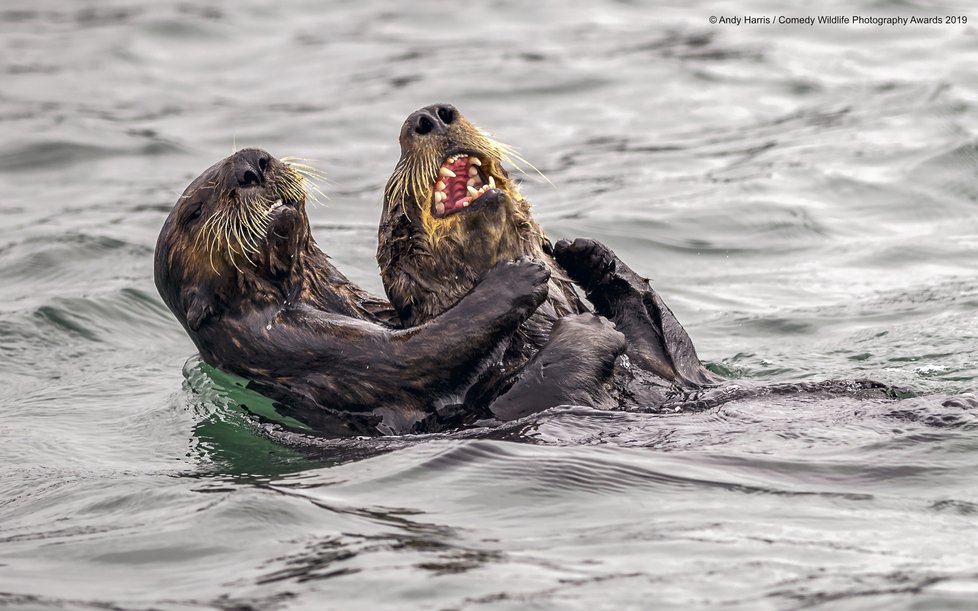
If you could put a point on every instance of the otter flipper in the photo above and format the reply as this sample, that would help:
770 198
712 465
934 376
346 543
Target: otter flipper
657 341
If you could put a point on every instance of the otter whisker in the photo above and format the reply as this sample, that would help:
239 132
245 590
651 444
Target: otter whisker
507 154
313 192
291 159
308 170
253 221
204 231
247 230
231 231
310 178
304 179
402 172
509 157
305 167
245 254
212 243
300 182
219 236
297 185
306 176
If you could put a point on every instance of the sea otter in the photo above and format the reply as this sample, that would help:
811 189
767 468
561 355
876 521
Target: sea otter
236 264
451 212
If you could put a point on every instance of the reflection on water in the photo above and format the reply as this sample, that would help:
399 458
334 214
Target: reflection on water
804 198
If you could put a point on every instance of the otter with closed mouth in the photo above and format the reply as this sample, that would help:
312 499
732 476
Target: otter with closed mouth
238 267
451 211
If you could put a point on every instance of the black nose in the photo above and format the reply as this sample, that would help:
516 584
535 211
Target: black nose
250 166
433 119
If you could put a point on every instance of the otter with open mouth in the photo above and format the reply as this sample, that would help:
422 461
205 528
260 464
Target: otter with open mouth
238 267
451 211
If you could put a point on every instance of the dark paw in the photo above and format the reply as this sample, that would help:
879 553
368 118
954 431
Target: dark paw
588 262
524 281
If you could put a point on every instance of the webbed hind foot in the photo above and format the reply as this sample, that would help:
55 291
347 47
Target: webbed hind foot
657 341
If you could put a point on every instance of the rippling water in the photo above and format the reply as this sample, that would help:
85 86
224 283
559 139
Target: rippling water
804 198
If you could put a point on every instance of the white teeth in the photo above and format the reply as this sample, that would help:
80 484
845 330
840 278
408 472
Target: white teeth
475 161
473 171
440 196
465 203
440 208
472 190
471 182
443 171
492 183
439 186
275 205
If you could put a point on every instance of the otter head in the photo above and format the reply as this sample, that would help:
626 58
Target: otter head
451 183
451 212
234 234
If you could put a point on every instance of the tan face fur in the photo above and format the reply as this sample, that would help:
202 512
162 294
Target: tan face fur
440 150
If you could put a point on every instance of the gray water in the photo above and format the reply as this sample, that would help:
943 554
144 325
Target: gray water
803 197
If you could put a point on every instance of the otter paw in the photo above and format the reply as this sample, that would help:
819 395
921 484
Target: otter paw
523 280
588 262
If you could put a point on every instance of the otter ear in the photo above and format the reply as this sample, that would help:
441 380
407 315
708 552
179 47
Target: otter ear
198 306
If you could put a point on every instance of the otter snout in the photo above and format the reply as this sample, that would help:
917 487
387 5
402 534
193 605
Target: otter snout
250 166
430 121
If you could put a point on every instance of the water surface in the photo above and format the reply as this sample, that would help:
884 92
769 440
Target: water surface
803 197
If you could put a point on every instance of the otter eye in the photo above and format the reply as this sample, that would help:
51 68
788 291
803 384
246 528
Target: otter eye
446 114
194 214
424 125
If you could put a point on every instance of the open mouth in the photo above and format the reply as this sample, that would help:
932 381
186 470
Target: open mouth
461 183
280 202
